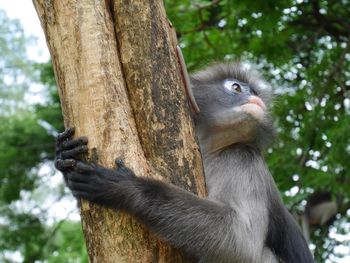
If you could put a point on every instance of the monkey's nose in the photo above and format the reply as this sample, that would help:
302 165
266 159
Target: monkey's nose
256 100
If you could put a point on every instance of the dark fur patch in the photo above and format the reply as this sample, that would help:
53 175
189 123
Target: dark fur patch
284 237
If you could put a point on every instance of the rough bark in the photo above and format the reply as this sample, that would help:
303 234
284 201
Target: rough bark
147 53
102 51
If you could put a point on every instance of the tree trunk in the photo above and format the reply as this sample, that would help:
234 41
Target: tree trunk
105 54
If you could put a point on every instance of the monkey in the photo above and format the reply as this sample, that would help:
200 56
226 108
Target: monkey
320 211
243 219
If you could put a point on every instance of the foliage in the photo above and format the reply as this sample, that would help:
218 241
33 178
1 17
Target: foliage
37 241
14 65
24 232
303 49
26 142
301 46
67 245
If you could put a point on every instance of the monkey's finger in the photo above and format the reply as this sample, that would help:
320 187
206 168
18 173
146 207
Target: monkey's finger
70 144
74 186
119 163
77 177
64 164
65 135
74 152
83 167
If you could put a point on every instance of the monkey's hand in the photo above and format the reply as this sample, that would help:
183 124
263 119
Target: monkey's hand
102 185
89 181
68 151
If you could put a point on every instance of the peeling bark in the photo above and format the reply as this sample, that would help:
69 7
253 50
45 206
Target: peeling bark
120 85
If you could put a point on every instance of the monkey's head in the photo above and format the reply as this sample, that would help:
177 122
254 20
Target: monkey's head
234 106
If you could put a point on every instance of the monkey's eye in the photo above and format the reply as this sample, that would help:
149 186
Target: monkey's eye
233 86
236 87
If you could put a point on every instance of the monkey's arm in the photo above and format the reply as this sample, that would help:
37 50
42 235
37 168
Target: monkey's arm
196 225
203 228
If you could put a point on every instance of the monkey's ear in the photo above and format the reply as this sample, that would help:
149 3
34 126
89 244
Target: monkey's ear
186 80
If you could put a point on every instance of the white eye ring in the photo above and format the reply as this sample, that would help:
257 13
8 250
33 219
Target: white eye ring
232 86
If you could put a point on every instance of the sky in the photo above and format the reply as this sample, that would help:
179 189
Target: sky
31 24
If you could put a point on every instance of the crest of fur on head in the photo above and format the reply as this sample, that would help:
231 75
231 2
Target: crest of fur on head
244 72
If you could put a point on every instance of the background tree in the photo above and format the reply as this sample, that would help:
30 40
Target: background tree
97 59
26 146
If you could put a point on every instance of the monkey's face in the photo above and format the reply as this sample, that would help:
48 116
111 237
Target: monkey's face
232 111
243 98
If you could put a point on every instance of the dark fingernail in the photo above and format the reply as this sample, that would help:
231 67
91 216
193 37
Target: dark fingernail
119 162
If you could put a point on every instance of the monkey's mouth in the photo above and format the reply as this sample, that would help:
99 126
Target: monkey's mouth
257 101
254 107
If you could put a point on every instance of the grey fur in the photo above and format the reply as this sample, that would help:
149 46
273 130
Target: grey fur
243 219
